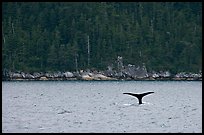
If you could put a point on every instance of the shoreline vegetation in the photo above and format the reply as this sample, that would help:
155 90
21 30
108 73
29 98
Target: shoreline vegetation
128 73
49 36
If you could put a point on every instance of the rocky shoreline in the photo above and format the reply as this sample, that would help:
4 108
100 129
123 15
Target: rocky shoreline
101 75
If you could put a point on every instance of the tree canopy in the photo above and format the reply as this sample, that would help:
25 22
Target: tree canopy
50 36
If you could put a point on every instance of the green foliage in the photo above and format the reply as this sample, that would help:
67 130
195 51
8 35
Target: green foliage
51 36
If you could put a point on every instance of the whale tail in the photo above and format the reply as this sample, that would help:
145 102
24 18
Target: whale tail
139 96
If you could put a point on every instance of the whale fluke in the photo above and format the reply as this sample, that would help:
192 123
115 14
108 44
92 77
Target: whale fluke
139 96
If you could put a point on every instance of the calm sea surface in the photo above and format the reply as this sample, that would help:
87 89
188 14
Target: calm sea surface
101 106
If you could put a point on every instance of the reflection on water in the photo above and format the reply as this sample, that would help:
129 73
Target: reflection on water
101 106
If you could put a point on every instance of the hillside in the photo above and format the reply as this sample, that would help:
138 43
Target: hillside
68 36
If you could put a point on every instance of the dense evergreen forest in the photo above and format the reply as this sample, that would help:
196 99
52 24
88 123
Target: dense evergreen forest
65 36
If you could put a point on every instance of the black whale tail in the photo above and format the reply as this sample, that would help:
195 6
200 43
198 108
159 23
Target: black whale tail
139 96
